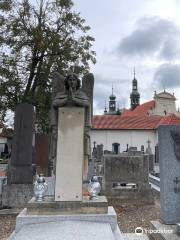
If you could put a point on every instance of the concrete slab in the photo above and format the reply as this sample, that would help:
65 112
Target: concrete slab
24 219
133 236
66 230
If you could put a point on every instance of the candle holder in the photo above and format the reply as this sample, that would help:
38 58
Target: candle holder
40 188
94 188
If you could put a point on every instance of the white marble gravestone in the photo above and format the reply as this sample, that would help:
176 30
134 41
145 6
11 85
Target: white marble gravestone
70 152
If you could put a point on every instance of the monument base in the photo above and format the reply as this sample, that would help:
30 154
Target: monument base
16 195
49 207
61 227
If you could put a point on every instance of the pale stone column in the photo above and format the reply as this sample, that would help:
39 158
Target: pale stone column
70 154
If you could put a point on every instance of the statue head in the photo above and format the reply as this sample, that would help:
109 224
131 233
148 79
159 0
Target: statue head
72 83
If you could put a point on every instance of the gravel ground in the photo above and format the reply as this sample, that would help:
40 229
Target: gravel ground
7 225
129 217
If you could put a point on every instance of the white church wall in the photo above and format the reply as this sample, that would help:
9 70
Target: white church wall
135 138
162 105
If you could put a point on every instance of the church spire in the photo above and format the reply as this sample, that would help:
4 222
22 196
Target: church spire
135 96
112 102
105 108
134 73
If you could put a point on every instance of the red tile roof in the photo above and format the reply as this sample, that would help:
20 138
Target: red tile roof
142 109
113 122
171 119
121 122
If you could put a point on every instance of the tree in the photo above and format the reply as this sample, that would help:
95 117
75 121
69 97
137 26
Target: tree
37 38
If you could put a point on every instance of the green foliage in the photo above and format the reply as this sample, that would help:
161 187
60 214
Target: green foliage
36 39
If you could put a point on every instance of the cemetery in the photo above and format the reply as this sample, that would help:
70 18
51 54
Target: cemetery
78 195
68 172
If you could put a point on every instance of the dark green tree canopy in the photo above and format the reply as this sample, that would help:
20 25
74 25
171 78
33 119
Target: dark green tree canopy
36 38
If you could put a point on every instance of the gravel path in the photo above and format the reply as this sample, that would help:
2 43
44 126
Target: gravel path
129 217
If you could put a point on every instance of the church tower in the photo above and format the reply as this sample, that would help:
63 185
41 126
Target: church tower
112 103
135 96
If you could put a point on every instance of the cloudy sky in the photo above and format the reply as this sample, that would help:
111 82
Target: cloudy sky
144 34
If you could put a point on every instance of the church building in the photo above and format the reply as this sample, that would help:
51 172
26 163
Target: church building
137 126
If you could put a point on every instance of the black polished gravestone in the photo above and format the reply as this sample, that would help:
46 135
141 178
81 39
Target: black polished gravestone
20 166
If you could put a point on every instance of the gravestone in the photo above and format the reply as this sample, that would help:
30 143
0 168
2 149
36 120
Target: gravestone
87 88
19 188
68 214
20 167
99 152
130 173
169 151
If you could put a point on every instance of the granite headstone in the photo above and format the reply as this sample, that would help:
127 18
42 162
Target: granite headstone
169 174
20 167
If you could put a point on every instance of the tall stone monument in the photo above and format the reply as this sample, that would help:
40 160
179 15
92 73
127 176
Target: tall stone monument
169 156
20 167
68 93
68 214
19 188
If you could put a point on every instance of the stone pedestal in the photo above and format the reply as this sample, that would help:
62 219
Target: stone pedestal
70 154
49 207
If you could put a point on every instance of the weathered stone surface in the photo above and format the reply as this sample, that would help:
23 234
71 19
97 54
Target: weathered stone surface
20 167
70 152
16 195
87 87
99 152
133 169
169 173
151 162
125 169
